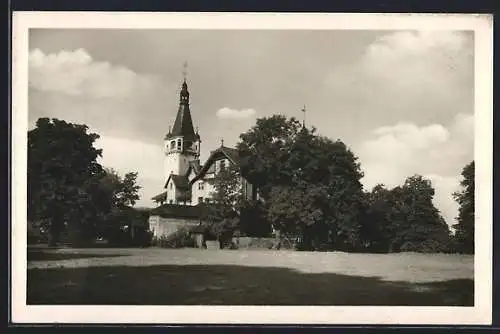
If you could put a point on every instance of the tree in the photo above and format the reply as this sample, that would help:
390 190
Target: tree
311 184
120 216
426 229
63 176
264 148
377 227
227 202
464 228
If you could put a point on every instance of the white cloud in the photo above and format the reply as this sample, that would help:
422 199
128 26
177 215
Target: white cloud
235 113
411 76
73 86
434 151
126 155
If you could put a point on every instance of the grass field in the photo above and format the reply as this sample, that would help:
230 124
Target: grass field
254 277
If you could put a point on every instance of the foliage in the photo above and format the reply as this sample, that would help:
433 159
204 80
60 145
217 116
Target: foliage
223 214
310 183
179 239
253 219
264 148
405 219
63 177
464 228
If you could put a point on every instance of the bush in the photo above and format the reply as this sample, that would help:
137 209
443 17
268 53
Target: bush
180 239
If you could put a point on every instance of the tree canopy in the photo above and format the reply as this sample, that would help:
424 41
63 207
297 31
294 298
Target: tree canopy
68 190
464 228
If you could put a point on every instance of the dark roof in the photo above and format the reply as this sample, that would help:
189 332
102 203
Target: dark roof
179 211
180 181
230 153
160 197
183 125
195 165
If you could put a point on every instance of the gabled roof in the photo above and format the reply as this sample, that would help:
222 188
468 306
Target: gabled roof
180 181
228 152
160 197
195 166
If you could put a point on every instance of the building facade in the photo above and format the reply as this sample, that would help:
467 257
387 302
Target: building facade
187 181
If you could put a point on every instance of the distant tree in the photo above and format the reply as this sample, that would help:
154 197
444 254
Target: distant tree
464 228
123 191
377 228
121 195
416 223
63 177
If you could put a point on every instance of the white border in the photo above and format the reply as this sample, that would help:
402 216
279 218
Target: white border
481 313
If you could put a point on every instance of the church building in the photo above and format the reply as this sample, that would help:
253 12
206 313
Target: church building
188 182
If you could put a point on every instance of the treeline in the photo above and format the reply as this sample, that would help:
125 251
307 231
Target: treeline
309 187
72 198
311 194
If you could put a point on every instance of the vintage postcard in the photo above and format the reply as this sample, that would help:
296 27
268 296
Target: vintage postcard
240 168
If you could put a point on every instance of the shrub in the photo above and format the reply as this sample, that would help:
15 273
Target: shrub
179 239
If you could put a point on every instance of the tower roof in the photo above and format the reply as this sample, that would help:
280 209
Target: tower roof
183 125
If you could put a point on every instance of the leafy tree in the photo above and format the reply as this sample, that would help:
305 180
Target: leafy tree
63 177
464 228
426 230
377 227
264 148
227 201
313 189
121 219
405 219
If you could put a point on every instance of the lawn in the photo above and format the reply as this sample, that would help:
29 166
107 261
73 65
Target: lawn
254 277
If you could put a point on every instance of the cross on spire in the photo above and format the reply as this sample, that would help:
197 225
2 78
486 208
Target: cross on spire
184 70
222 142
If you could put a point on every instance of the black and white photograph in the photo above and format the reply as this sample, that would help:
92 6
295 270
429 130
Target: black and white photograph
245 163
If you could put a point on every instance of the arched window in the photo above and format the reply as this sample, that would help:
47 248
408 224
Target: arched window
172 144
179 144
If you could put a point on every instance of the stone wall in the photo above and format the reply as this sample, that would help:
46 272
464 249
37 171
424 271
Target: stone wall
166 226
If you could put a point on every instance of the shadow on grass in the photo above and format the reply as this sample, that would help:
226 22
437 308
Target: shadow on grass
43 255
232 285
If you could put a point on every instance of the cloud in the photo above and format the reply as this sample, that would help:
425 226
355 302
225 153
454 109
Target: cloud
73 86
235 113
76 73
419 77
434 151
126 155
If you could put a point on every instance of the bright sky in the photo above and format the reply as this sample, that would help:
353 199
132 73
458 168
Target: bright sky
402 101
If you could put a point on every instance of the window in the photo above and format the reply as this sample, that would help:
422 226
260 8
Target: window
200 200
200 185
171 201
222 164
172 144
179 144
172 185
207 200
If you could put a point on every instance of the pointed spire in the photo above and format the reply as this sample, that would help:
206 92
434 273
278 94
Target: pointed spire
222 142
183 125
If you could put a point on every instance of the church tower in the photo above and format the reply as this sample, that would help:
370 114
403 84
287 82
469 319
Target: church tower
182 143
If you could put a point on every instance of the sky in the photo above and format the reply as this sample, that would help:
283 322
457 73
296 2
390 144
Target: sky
402 101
